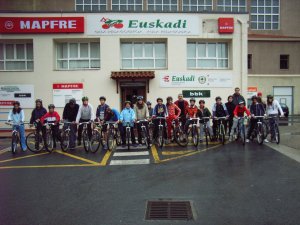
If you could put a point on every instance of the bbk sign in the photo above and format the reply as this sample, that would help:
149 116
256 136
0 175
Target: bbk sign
196 93
32 25
143 24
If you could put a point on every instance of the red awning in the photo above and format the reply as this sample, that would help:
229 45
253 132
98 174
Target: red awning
132 75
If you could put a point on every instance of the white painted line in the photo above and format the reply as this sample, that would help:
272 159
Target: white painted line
5 150
131 153
129 162
285 150
131 147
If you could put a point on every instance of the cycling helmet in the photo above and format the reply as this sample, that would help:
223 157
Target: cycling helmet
72 101
127 102
85 98
102 98
140 98
51 106
192 100
159 99
254 97
201 101
241 102
16 103
218 98
169 98
39 100
270 96
149 103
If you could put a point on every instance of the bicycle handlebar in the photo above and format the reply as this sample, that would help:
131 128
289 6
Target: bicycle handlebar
15 124
220 118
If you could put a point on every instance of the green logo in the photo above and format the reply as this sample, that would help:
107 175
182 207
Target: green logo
202 79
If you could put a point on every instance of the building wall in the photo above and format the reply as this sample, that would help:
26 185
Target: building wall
98 82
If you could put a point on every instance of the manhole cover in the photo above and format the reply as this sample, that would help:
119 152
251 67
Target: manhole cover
169 210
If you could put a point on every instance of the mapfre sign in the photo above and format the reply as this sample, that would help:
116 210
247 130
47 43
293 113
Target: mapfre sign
226 25
30 25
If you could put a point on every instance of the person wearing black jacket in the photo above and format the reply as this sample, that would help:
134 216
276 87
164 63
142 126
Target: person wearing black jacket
237 97
69 115
230 108
35 118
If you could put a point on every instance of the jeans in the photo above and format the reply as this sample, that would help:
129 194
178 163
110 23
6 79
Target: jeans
272 121
73 131
202 130
21 130
236 123
123 135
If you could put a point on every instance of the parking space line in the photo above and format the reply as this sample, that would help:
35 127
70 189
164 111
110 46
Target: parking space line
177 152
155 154
105 158
48 166
129 162
76 157
4 150
131 153
24 157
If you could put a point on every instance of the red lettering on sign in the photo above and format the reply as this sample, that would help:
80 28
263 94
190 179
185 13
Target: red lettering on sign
68 86
226 25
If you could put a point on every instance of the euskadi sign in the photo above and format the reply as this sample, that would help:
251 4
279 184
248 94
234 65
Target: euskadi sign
143 24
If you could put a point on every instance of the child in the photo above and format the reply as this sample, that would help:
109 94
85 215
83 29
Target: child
204 112
173 112
192 111
219 110
160 110
127 116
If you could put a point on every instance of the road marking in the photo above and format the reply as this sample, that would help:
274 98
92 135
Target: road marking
191 144
131 153
76 157
129 162
4 150
155 154
105 158
24 157
177 152
48 166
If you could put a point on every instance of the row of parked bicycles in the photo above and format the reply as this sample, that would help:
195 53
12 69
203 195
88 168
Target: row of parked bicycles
35 142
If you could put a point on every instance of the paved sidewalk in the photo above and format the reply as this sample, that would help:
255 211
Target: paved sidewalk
290 136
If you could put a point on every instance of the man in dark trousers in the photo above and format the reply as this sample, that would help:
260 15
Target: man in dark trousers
183 105
230 108
69 115
237 97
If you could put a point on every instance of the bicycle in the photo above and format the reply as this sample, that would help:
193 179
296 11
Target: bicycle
193 130
65 137
258 130
128 134
205 129
49 136
15 136
113 138
241 130
220 132
144 133
161 127
275 128
34 140
178 132
92 144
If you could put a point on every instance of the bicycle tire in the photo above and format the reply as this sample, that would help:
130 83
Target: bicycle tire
14 143
179 137
195 136
128 139
118 137
277 134
111 141
160 138
65 141
243 131
222 134
94 144
260 134
34 142
145 137
86 142
206 135
49 142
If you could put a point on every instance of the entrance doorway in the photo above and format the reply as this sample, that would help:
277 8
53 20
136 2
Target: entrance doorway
285 96
128 90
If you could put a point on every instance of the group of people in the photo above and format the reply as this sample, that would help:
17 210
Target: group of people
142 111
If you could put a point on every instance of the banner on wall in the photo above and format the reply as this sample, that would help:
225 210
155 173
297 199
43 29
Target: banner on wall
189 79
63 92
11 93
143 24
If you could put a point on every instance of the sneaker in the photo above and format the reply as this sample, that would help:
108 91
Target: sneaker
24 150
247 140
266 141
230 138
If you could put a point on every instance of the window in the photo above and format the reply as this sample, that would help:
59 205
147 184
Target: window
284 62
249 61
16 57
196 5
232 5
143 55
90 5
162 5
207 55
127 5
265 14
78 55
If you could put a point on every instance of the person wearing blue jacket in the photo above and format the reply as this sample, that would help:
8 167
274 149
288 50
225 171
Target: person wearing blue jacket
127 116
160 110
16 117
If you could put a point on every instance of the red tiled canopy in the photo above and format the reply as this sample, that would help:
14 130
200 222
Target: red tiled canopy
132 75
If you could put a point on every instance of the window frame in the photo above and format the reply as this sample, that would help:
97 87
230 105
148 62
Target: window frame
250 61
287 61
91 5
155 5
198 5
224 6
154 58
127 4
25 59
68 59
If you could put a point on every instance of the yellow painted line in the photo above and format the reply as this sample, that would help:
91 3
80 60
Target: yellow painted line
155 154
105 158
76 157
189 154
48 166
24 157
177 152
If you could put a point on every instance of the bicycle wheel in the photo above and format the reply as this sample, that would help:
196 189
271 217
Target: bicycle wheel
160 138
259 133
222 134
195 136
86 142
118 137
14 143
34 142
128 139
179 137
277 134
243 134
94 144
111 141
265 129
145 137
65 140
49 141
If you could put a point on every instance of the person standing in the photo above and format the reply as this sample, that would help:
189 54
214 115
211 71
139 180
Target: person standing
69 115
100 116
230 108
160 110
173 111
127 116
17 117
237 97
141 113
150 109
183 105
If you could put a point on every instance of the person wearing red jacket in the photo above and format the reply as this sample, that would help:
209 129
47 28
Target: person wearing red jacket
173 112
238 114
52 117
182 104
192 112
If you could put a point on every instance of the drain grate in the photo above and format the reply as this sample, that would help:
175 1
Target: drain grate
169 210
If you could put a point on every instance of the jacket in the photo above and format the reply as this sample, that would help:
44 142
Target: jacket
160 111
101 111
51 117
241 111
85 111
230 106
37 114
127 116
192 111
204 113
257 109
173 110
273 109
16 118
184 108
237 99
219 110
142 113
114 118
70 113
